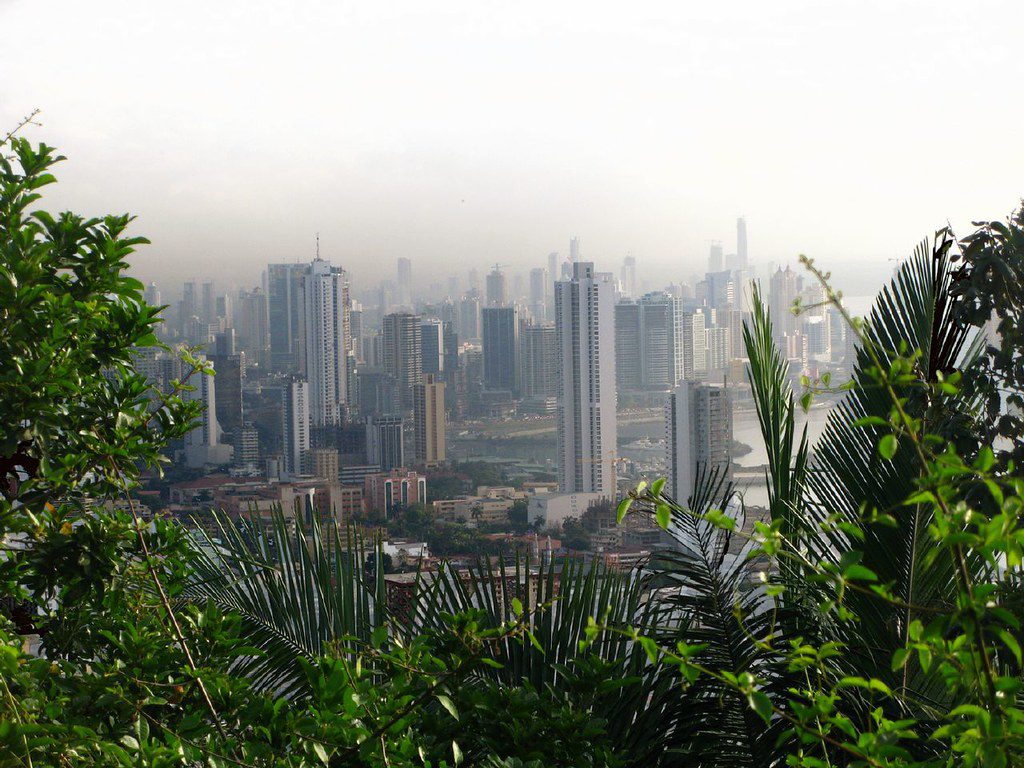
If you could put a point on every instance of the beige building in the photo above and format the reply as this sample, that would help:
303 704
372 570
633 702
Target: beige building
428 407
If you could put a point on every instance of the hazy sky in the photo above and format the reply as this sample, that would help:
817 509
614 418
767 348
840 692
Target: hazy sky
468 133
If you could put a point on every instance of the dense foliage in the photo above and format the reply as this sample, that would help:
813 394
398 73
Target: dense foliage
873 619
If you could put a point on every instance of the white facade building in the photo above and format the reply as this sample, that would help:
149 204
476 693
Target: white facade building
295 427
325 317
587 425
202 445
698 434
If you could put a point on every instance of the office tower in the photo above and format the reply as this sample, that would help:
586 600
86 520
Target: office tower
152 295
186 307
628 280
719 348
208 309
403 353
451 371
295 423
782 292
473 281
574 249
554 274
247 449
698 435
405 282
500 347
284 307
224 343
469 318
587 425
538 294
222 309
253 333
385 442
741 243
378 392
716 261
202 445
649 342
720 290
628 346
230 372
538 360
355 327
694 346
432 345
497 288
325 323
429 421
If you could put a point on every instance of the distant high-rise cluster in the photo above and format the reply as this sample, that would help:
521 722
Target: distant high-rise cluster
365 387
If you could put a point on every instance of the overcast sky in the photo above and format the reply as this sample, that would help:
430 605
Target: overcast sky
469 133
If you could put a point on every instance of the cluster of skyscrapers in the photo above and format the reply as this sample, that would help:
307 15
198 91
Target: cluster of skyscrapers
314 377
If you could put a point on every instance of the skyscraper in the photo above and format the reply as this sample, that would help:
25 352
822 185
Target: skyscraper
698 435
429 420
741 242
538 360
284 302
716 261
405 282
497 288
574 249
152 295
500 348
587 424
628 281
326 325
252 327
403 353
538 294
385 442
649 342
202 445
782 292
432 344
294 423
694 346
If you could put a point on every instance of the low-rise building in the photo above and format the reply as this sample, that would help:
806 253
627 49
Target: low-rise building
386 492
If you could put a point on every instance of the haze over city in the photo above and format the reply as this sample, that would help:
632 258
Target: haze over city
491 132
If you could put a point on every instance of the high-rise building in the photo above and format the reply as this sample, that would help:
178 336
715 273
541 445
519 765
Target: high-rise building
649 342
587 424
720 290
469 318
284 311
500 348
187 307
741 243
405 282
324 463
694 346
497 288
574 249
325 323
385 442
698 435
403 353
294 423
716 260
252 327
432 345
538 360
538 294
152 295
782 292
247 449
719 348
429 420
203 445
628 281
208 310
230 372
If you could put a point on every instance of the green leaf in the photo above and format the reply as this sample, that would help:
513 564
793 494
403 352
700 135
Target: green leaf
448 705
663 515
456 753
320 752
887 446
761 704
623 509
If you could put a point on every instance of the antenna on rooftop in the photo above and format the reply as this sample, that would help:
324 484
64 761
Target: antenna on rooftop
318 245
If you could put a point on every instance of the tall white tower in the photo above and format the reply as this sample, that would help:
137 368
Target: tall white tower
587 426
698 435
326 320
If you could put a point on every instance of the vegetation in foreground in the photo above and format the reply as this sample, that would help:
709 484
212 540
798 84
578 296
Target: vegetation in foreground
873 620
